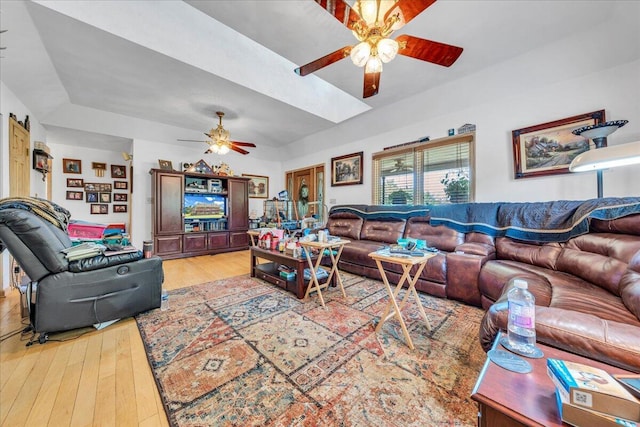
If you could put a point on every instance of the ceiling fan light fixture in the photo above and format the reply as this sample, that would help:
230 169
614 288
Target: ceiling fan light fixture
374 65
360 54
387 49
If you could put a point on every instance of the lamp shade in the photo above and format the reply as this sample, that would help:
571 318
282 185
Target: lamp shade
607 157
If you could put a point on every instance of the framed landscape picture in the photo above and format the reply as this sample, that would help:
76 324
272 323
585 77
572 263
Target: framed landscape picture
120 185
120 197
258 186
99 209
75 182
119 208
346 170
549 148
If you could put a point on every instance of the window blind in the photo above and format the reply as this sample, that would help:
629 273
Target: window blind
431 172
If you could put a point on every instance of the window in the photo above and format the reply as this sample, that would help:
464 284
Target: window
432 172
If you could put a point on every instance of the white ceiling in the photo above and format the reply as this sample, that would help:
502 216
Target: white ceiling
177 63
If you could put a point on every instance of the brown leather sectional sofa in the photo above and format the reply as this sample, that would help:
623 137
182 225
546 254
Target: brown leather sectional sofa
587 288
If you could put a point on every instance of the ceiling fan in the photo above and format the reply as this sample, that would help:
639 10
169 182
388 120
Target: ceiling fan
372 23
399 167
219 142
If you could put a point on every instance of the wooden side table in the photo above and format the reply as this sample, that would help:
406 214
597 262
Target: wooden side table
508 398
321 246
407 263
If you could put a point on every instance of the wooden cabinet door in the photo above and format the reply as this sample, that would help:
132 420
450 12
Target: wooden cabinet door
238 239
168 198
168 245
238 204
194 242
218 241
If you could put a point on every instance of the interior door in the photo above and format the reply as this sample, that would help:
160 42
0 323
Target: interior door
19 174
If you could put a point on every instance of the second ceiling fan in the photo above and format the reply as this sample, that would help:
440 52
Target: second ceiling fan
372 23
219 142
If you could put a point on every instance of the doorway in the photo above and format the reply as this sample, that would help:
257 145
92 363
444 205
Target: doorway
306 189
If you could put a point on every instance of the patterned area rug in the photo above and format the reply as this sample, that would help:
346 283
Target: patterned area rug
243 352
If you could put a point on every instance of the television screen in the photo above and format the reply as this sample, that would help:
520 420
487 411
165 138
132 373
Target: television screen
202 206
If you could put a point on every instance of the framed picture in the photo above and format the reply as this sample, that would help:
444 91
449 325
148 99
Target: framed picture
99 209
91 197
104 187
120 197
119 208
71 166
105 197
118 171
96 165
258 186
549 148
40 161
91 186
75 195
75 182
120 185
165 165
346 170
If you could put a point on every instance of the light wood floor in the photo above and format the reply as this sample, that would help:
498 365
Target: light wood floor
101 378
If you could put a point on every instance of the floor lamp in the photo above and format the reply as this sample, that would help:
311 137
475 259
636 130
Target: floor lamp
604 157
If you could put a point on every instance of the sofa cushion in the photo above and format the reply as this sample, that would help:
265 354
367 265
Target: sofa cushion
542 255
387 231
345 225
630 286
441 237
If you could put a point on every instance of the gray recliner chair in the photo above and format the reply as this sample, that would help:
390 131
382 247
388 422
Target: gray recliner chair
75 294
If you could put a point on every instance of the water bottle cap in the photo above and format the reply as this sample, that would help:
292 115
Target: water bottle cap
520 284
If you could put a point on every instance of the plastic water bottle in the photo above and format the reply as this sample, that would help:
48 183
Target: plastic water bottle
521 331
164 300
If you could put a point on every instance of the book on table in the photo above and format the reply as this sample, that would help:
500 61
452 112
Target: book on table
583 417
591 388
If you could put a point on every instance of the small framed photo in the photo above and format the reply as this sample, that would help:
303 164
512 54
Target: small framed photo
346 170
99 209
549 148
75 195
165 165
105 197
118 171
102 187
40 161
75 182
91 186
91 197
120 185
72 166
120 197
258 186
96 165
119 208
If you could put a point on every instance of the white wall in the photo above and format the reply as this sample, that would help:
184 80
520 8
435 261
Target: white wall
9 103
80 209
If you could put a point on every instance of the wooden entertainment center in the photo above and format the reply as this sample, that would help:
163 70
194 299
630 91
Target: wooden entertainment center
198 214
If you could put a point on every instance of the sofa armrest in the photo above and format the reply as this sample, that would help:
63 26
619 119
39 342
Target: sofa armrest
463 270
476 248
101 261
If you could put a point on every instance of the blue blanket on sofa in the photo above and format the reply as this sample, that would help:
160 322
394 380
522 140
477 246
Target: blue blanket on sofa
555 221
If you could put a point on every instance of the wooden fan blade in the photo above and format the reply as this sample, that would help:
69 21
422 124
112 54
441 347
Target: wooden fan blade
238 149
371 84
243 144
408 9
428 50
190 140
324 61
341 11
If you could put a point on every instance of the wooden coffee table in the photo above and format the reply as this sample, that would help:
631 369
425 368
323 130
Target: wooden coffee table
269 271
507 398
